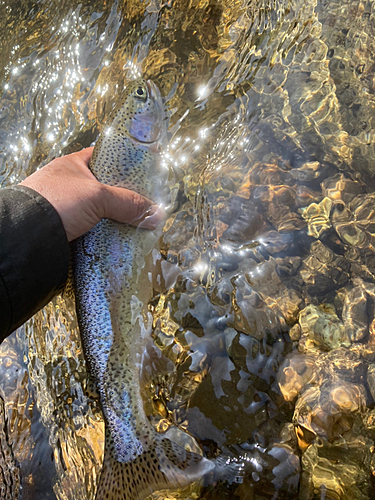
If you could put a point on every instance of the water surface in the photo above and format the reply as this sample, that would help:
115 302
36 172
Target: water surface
265 297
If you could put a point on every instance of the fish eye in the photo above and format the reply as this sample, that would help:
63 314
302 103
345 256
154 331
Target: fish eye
141 93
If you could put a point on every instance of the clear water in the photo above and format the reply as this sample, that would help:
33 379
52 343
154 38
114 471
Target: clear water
266 306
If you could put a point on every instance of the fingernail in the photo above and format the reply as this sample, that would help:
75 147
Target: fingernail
153 217
152 210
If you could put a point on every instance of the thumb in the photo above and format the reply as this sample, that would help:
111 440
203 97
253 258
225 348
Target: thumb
130 207
85 154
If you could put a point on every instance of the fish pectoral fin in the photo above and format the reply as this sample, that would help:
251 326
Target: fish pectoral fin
165 465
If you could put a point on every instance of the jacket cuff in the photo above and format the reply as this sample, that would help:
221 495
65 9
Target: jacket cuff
34 255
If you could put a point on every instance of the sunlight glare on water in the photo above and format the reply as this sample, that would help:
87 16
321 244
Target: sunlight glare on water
264 277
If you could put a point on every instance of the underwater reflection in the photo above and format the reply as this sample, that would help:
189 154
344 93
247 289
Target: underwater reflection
263 278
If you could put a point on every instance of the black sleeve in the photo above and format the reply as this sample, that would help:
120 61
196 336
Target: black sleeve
34 255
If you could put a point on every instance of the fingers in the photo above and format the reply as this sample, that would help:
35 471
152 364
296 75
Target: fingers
81 200
129 207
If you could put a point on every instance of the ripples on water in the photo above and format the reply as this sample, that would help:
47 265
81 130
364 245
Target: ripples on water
266 288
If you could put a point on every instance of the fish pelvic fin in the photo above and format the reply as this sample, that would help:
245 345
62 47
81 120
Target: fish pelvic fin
164 465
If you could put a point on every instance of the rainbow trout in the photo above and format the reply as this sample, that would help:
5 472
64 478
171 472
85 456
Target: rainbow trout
138 460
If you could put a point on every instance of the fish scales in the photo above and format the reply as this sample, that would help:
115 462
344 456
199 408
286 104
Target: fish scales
137 459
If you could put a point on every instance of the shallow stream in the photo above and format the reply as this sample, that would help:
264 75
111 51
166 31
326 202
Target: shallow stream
267 303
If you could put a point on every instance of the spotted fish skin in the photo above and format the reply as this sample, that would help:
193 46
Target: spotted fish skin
106 262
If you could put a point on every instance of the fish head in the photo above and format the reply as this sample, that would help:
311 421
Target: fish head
128 152
142 115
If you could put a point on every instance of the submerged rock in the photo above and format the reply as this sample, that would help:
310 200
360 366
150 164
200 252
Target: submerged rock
321 329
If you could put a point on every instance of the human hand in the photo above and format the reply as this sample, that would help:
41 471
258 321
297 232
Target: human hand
81 200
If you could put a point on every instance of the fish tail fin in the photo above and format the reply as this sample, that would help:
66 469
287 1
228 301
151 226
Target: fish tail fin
165 465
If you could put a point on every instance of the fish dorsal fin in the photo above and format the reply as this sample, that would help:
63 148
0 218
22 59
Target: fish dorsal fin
67 290
164 465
